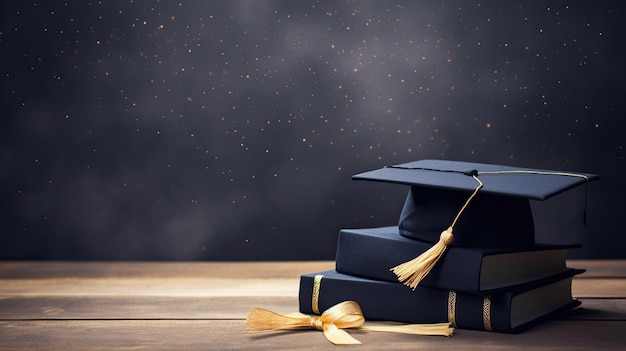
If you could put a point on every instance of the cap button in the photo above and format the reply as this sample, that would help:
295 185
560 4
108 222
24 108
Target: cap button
470 172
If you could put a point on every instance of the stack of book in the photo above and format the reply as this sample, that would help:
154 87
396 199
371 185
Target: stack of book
493 276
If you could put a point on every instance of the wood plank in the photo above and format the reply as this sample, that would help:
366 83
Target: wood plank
140 307
208 286
221 307
268 269
61 269
142 286
598 310
600 268
599 287
231 335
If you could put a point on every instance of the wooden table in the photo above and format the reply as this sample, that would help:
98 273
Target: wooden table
203 306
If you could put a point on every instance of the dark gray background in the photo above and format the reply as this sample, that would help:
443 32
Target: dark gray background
207 130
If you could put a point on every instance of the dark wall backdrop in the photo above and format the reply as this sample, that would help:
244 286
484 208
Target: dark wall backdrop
219 130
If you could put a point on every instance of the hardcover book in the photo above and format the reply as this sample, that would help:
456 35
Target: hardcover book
371 252
507 311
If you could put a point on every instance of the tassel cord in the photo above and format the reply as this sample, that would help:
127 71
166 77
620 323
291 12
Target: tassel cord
458 215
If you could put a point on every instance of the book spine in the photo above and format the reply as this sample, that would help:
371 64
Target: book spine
372 256
395 302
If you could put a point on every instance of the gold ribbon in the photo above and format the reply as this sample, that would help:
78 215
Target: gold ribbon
343 315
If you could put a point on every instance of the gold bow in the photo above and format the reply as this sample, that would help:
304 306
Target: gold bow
343 315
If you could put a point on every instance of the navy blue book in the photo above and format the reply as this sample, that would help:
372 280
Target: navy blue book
507 311
371 252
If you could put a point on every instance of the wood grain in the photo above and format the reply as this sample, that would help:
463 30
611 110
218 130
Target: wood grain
613 269
141 307
142 286
64 269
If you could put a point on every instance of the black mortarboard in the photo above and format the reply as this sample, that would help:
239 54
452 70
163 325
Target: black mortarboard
483 205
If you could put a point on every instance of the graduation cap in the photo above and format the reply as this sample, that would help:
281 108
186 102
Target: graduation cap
470 205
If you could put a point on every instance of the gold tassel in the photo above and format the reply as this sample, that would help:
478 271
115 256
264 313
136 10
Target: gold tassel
412 272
